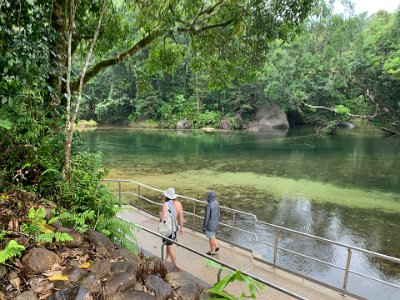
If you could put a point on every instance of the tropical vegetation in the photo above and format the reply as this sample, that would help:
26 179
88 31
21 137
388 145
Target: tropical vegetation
159 62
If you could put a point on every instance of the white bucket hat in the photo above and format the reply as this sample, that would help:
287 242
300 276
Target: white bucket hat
170 193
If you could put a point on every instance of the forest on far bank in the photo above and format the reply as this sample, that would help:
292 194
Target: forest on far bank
339 67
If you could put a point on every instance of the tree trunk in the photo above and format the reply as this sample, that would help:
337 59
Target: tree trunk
70 122
59 49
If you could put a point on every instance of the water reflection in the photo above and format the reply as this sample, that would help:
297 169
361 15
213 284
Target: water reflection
302 215
344 188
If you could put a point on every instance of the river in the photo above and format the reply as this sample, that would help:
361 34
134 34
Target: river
345 188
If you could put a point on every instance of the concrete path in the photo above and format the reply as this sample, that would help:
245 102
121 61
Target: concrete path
233 256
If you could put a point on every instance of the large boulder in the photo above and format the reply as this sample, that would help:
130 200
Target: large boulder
119 282
184 124
226 124
161 288
76 293
269 117
239 121
100 239
38 260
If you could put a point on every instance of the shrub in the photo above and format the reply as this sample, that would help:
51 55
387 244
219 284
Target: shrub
87 204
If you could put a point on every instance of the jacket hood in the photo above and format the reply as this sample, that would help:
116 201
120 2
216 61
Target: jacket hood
211 196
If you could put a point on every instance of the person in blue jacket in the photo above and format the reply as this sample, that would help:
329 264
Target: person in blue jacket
211 220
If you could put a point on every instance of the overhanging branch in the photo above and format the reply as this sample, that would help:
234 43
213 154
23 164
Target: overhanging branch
101 65
332 109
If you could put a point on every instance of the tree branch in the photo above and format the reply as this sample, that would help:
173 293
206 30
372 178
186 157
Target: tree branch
206 11
368 93
205 28
101 65
334 111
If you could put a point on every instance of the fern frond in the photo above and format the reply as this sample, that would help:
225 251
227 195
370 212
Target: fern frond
13 249
52 220
6 124
49 237
62 237
44 238
31 213
41 213
121 231
3 233
81 222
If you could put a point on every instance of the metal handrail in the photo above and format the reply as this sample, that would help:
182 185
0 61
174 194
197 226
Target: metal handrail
262 281
278 230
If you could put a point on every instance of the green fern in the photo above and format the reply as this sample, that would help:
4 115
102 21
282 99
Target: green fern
56 236
6 124
81 222
3 233
37 222
13 249
36 215
120 231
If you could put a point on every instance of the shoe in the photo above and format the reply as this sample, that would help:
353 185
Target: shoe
209 253
217 249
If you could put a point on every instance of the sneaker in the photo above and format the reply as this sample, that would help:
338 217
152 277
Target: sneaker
209 253
217 249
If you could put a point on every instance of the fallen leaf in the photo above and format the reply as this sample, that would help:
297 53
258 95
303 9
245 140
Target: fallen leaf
58 277
85 265
77 252
57 266
65 255
13 225
16 282
51 273
84 258
42 287
46 228
46 294
16 262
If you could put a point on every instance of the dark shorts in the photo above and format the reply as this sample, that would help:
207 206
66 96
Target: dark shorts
172 237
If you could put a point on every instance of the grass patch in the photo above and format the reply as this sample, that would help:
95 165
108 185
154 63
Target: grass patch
85 123
145 124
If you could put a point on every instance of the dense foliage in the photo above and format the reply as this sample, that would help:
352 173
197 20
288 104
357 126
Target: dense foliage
339 68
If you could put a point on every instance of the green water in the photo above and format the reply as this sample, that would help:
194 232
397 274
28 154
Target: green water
345 187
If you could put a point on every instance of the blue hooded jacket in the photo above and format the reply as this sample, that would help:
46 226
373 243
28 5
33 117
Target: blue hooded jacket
212 213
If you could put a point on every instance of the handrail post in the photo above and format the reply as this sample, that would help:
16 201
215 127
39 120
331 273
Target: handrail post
162 252
346 273
234 227
138 195
119 191
219 275
277 231
194 215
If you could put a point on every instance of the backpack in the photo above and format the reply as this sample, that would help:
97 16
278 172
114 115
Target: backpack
166 226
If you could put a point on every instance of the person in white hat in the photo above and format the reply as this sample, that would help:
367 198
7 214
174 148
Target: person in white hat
170 201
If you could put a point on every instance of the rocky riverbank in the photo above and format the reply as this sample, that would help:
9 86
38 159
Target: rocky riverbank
90 266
